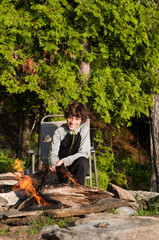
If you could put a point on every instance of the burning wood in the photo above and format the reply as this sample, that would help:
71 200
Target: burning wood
63 175
27 184
30 184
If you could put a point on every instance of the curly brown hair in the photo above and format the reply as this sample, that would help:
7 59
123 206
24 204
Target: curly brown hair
76 109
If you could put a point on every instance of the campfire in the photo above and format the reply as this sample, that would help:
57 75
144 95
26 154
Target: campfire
43 192
30 184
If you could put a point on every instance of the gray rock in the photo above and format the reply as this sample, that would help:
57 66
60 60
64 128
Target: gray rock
120 228
13 197
126 211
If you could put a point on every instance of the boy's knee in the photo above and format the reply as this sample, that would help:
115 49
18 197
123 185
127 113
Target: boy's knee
83 161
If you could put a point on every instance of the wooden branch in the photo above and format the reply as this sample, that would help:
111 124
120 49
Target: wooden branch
21 214
100 206
18 221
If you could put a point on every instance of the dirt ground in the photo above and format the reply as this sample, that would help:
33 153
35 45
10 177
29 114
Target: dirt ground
27 232
18 233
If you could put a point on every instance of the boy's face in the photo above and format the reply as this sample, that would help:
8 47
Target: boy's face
73 122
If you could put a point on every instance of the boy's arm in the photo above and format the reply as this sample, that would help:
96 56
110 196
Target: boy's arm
84 149
55 146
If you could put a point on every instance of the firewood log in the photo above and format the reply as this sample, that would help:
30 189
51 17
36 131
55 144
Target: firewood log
100 206
73 195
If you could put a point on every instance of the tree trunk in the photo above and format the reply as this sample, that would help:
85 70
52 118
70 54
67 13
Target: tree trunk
24 133
154 141
85 66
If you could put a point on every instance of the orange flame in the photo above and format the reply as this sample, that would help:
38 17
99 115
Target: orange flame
26 183
72 179
67 174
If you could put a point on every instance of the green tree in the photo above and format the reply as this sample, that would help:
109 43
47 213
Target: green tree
41 46
44 43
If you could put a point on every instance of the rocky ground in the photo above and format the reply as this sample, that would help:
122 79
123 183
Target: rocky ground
99 226
123 223
110 227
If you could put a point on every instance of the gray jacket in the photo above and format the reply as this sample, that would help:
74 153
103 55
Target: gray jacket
69 145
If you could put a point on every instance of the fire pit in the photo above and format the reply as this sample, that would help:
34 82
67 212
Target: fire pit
43 193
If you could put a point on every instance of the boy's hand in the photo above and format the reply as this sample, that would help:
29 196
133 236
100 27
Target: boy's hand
52 168
59 162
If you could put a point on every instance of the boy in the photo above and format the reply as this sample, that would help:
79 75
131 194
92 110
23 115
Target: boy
71 142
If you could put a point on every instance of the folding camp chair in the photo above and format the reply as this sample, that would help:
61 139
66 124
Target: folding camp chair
47 130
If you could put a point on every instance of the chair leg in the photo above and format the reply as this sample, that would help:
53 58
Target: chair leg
90 170
89 177
95 169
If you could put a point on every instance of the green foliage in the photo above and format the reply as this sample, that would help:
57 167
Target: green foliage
120 179
42 43
104 158
63 222
37 225
103 179
125 172
135 176
150 210
146 212
33 141
106 164
7 164
4 231
104 153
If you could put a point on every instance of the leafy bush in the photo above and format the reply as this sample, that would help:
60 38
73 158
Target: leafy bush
105 160
9 164
138 176
103 180
125 172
